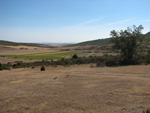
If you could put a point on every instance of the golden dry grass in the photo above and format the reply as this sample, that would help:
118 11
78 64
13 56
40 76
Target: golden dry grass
20 50
75 89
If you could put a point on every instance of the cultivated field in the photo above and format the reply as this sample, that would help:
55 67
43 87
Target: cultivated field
21 50
75 89
31 54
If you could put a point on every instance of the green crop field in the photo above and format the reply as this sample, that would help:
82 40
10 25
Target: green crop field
43 56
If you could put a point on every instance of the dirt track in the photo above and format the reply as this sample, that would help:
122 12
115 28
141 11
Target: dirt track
75 89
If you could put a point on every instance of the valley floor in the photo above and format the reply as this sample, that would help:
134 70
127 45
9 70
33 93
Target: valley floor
75 89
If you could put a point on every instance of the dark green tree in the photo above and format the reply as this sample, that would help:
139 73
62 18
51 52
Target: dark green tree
129 43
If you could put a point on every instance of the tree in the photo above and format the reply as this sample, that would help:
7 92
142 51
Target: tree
128 42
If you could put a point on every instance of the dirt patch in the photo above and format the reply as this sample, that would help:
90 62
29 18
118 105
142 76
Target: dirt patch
76 89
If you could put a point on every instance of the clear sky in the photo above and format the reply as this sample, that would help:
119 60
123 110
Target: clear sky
69 20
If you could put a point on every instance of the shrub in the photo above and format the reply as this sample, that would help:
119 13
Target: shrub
33 67
111 62
1 68
18 64
147 111
14 65
75 56
100 64
4 67
42 68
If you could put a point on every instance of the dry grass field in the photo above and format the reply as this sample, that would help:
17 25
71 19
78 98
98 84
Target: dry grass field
75 89
19 50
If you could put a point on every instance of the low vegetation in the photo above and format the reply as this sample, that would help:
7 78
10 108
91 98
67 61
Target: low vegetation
4 67
100 61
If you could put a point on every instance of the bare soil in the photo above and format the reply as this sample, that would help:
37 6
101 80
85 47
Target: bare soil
75 89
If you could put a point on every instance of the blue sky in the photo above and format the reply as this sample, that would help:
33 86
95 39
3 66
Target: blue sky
69 20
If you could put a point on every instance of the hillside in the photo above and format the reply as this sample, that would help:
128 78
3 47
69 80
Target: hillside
147 36
8 43
105 41
95 42
44 44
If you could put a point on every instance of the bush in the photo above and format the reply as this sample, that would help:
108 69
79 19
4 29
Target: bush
147 58
100 64
1 68
4 67
33 67
14 65
42 68
75 56
111 62
147 111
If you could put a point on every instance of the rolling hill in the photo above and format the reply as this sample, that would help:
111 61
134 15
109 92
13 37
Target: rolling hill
105 41
42 44
9 43
147 36
95 42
